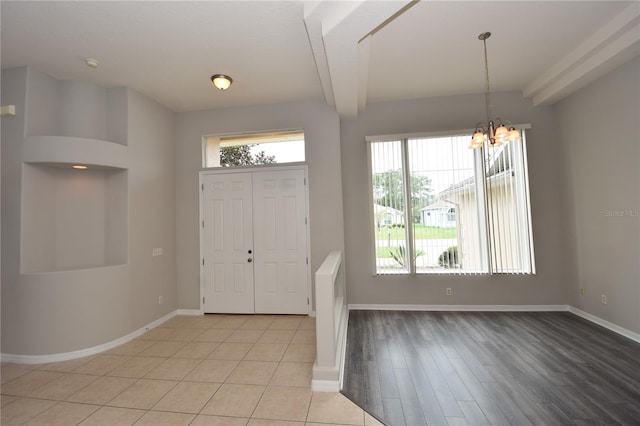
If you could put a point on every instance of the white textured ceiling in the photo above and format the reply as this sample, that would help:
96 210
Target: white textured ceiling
279 51
441 53
168 50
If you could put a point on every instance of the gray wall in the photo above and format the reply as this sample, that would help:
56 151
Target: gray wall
62 309
548 199
152 215
599 126
322 144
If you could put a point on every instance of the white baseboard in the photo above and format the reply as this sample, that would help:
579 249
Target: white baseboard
157 322
325 386
444 308
44 359
189 312
606 324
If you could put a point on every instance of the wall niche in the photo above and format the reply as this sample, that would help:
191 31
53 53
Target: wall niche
73 219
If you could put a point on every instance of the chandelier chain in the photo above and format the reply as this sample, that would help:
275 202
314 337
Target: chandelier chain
487 94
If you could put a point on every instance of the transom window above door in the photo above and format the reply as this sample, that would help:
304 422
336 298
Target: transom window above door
251 149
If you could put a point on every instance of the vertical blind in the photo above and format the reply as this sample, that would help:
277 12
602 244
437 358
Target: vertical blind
509 225
388 182
440 207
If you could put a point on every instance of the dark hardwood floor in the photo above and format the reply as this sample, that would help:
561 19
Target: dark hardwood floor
480 368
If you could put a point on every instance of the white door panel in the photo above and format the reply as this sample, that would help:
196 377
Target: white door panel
228 240
280 238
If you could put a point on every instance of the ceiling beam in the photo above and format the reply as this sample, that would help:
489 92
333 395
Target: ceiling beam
313 11
340 34
610 46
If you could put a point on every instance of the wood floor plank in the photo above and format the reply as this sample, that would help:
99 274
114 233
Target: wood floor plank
409 399
373 395
382 349
388 385
499 368
426 395
555 415
457 386
457 421
473 413
491 411
509 408
625 413
447 400
576 406
393 414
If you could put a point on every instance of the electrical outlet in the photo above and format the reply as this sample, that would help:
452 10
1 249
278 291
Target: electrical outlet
160 300
449 291
582 292
157 251
603 299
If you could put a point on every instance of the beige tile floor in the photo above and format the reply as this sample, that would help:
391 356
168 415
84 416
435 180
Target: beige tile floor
211 370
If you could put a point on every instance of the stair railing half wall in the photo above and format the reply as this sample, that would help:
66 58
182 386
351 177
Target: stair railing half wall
331 324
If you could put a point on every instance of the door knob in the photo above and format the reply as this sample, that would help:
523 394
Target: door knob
249 260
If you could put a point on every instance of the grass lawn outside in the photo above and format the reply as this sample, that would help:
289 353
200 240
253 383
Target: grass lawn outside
420 232
383 252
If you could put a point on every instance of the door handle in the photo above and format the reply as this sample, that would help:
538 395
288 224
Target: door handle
249 260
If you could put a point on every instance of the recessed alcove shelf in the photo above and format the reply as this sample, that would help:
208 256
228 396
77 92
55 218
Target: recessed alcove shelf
72 150
73 219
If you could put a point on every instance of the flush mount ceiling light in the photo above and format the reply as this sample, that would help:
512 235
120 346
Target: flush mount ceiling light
496 132
221 81
92 63
7 111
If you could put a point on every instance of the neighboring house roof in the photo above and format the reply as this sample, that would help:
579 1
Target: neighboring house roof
437 205
377 208
500 165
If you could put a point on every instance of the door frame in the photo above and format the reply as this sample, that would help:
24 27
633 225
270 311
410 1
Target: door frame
234 170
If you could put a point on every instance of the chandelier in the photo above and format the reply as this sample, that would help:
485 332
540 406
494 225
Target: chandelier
497 132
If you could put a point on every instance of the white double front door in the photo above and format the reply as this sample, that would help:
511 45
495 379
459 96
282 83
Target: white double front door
254 242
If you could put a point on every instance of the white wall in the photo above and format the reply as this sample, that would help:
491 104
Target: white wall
322 141
599 126
550 286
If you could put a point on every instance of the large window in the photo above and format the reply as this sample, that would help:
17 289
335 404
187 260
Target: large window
440 207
